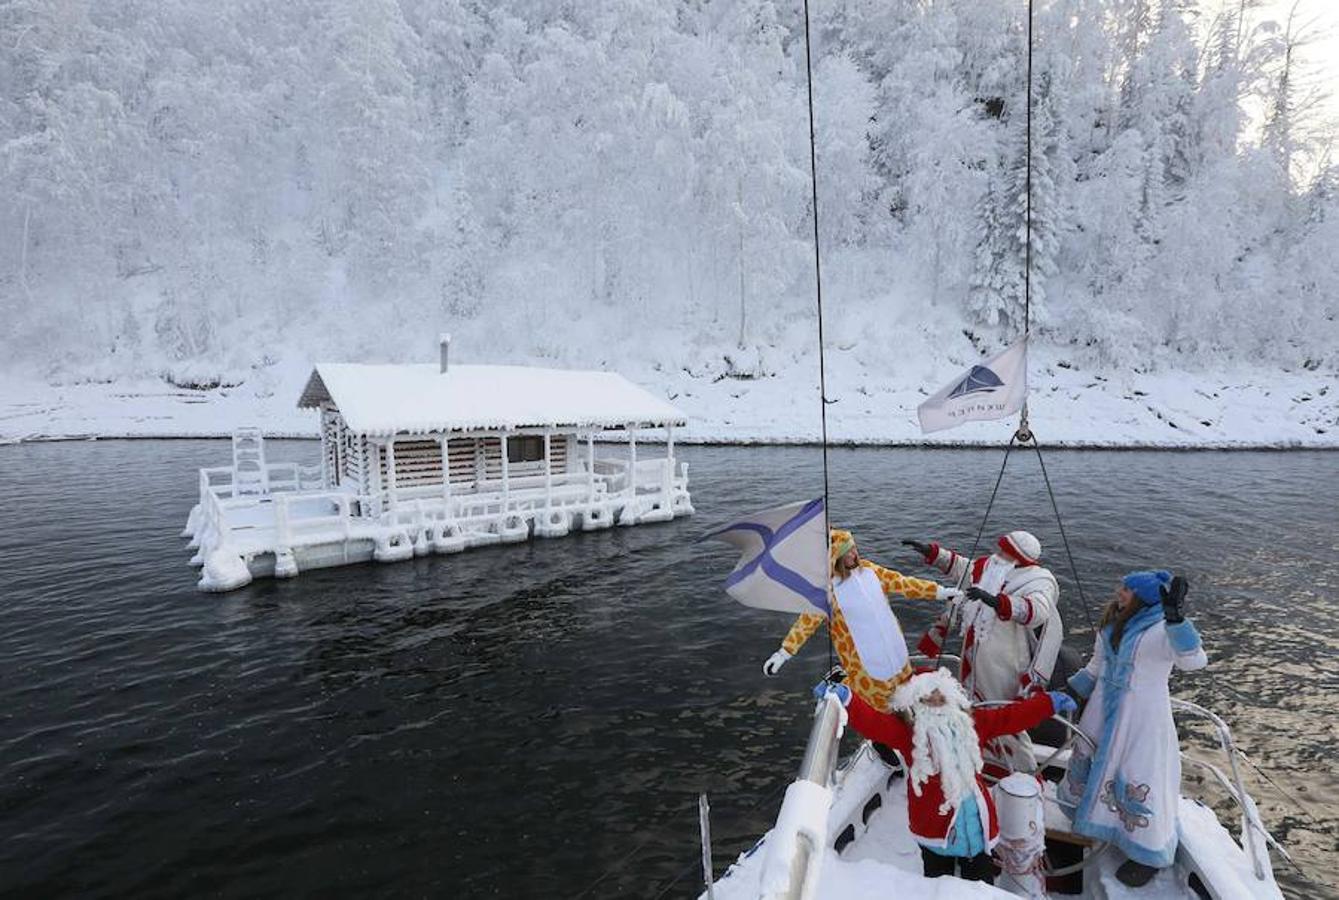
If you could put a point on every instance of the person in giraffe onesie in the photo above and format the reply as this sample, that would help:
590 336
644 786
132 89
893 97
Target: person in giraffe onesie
865 633
1011 631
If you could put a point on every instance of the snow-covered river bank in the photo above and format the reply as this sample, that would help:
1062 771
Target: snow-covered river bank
1240 407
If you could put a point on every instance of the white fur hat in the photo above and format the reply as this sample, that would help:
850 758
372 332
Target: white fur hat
1022 546
918 687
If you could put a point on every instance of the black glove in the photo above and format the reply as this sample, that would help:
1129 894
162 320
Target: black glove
1174 601
986 597
922 549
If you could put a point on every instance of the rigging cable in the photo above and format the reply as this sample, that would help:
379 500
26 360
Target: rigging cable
818 289
1024 435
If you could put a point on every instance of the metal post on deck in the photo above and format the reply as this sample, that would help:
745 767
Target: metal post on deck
372 474
669 466
506 477
632 462
325 451
390 470
548 471
446 474
590 466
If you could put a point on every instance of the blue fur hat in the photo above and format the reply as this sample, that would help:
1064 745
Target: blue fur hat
1147 585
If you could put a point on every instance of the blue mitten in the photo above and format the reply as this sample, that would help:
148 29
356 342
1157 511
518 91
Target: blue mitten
1062 703
823 688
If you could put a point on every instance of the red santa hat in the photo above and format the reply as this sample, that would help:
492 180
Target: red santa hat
1021 547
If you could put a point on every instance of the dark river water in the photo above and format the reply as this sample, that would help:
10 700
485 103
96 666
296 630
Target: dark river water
522 721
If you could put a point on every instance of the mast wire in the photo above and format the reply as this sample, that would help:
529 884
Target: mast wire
1024 434
818 289
1027 248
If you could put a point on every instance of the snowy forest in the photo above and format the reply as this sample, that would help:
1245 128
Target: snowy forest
196 190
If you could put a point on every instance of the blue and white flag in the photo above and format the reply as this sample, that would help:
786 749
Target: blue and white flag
991 389
783 563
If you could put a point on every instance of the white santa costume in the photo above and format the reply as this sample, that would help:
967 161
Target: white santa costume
1128 791
1008 651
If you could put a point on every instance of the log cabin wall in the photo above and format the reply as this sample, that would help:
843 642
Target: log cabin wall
418 463
418 460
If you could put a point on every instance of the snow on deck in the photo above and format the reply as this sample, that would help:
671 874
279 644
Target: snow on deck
386 399
884 861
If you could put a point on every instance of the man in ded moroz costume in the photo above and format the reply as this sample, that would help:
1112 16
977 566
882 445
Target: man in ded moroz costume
950 810
1011 630
1127 792
865 633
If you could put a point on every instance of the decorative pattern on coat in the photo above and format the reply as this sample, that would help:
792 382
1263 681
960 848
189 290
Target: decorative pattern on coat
1127 801
877 692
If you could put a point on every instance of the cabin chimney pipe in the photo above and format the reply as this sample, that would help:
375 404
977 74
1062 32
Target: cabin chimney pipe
444 343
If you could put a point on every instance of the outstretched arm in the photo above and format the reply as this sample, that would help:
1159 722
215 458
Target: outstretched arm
804 627
1013 718
896 584
951 564
883 727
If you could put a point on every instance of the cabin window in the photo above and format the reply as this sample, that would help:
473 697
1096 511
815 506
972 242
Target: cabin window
525 449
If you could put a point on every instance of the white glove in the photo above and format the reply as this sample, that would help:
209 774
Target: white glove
775 662
947 593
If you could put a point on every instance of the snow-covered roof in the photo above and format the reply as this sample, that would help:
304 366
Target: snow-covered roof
390 399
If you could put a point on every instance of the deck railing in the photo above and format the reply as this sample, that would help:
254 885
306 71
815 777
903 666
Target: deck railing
480 502
280 477
1252 827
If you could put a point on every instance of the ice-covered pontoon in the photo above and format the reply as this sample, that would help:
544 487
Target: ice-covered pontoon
842 832
419 459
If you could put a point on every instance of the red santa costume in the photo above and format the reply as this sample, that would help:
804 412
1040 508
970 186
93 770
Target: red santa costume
942 750
1008 651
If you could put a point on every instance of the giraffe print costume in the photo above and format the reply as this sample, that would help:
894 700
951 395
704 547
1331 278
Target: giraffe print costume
876 629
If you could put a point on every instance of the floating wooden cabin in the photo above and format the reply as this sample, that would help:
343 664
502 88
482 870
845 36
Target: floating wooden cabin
419 459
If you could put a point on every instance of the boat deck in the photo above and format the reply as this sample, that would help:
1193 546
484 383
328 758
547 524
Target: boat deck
883 860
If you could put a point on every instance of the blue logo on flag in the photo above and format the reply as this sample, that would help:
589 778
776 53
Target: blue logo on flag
978 381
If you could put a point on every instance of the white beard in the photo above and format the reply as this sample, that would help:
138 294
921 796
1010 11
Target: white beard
944 743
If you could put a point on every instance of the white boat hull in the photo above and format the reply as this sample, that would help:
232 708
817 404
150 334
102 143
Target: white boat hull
879 859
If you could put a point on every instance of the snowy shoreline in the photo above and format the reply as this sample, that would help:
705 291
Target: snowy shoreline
1069 409
708 442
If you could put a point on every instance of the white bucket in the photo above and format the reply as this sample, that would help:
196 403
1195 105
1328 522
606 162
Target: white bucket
1018 804
1022 818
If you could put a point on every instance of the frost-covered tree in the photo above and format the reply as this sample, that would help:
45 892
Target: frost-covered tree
197 187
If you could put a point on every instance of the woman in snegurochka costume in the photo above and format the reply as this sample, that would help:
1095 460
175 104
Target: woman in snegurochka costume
1128 791
865 633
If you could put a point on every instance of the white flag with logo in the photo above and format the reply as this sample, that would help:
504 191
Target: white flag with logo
991 389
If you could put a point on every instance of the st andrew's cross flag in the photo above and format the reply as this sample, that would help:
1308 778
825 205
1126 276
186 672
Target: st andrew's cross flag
783 560
991 389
